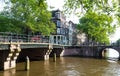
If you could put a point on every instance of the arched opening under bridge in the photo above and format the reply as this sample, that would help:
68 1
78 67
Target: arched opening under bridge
110 53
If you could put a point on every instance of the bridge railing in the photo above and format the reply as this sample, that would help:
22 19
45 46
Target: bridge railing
14 37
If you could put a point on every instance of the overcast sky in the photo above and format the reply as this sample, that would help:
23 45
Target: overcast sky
58 4
1 5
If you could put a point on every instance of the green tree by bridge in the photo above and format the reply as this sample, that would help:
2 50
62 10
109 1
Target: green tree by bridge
96 17
26 15
96 26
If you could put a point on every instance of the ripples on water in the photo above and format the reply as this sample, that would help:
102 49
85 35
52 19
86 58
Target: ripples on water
67 66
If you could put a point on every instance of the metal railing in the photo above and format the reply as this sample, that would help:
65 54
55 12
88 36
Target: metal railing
14 37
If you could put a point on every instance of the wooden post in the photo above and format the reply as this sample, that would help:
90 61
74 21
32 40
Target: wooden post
27 64
54 57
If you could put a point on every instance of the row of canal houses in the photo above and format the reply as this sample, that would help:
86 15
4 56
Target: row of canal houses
65 31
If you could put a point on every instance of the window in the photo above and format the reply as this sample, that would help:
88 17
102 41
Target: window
57 15
58 30
58 23
63 31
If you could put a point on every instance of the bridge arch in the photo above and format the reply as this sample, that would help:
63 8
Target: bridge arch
110 53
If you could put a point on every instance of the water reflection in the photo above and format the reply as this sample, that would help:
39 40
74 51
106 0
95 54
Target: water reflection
10 72
69 69
28 73
112 61
67 66
46 68
112 69
71 73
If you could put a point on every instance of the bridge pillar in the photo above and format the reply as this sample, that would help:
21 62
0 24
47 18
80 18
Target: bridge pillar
63 51
46 56
9 57
58 51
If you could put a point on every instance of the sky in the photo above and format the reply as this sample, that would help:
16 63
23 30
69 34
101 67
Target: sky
116 35
58 4
1 5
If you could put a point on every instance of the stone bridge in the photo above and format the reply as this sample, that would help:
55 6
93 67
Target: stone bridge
15 51
87 51
14 47
12 52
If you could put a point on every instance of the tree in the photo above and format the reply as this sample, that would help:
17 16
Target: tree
101 6
96 26
96 17
32 13
10 25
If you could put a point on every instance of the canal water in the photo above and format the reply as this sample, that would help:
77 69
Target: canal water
67 66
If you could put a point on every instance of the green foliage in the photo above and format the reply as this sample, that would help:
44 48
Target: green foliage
96 17
96 26
32 13
10 25
106 6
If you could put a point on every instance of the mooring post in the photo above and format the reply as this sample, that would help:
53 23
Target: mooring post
27 64
54 57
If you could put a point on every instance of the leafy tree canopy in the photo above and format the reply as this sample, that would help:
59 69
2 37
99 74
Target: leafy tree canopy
32 13
96 26
97 17
101 6
10 25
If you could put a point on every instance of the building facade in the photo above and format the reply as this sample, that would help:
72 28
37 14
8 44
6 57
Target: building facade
65 31
72 33
60 36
